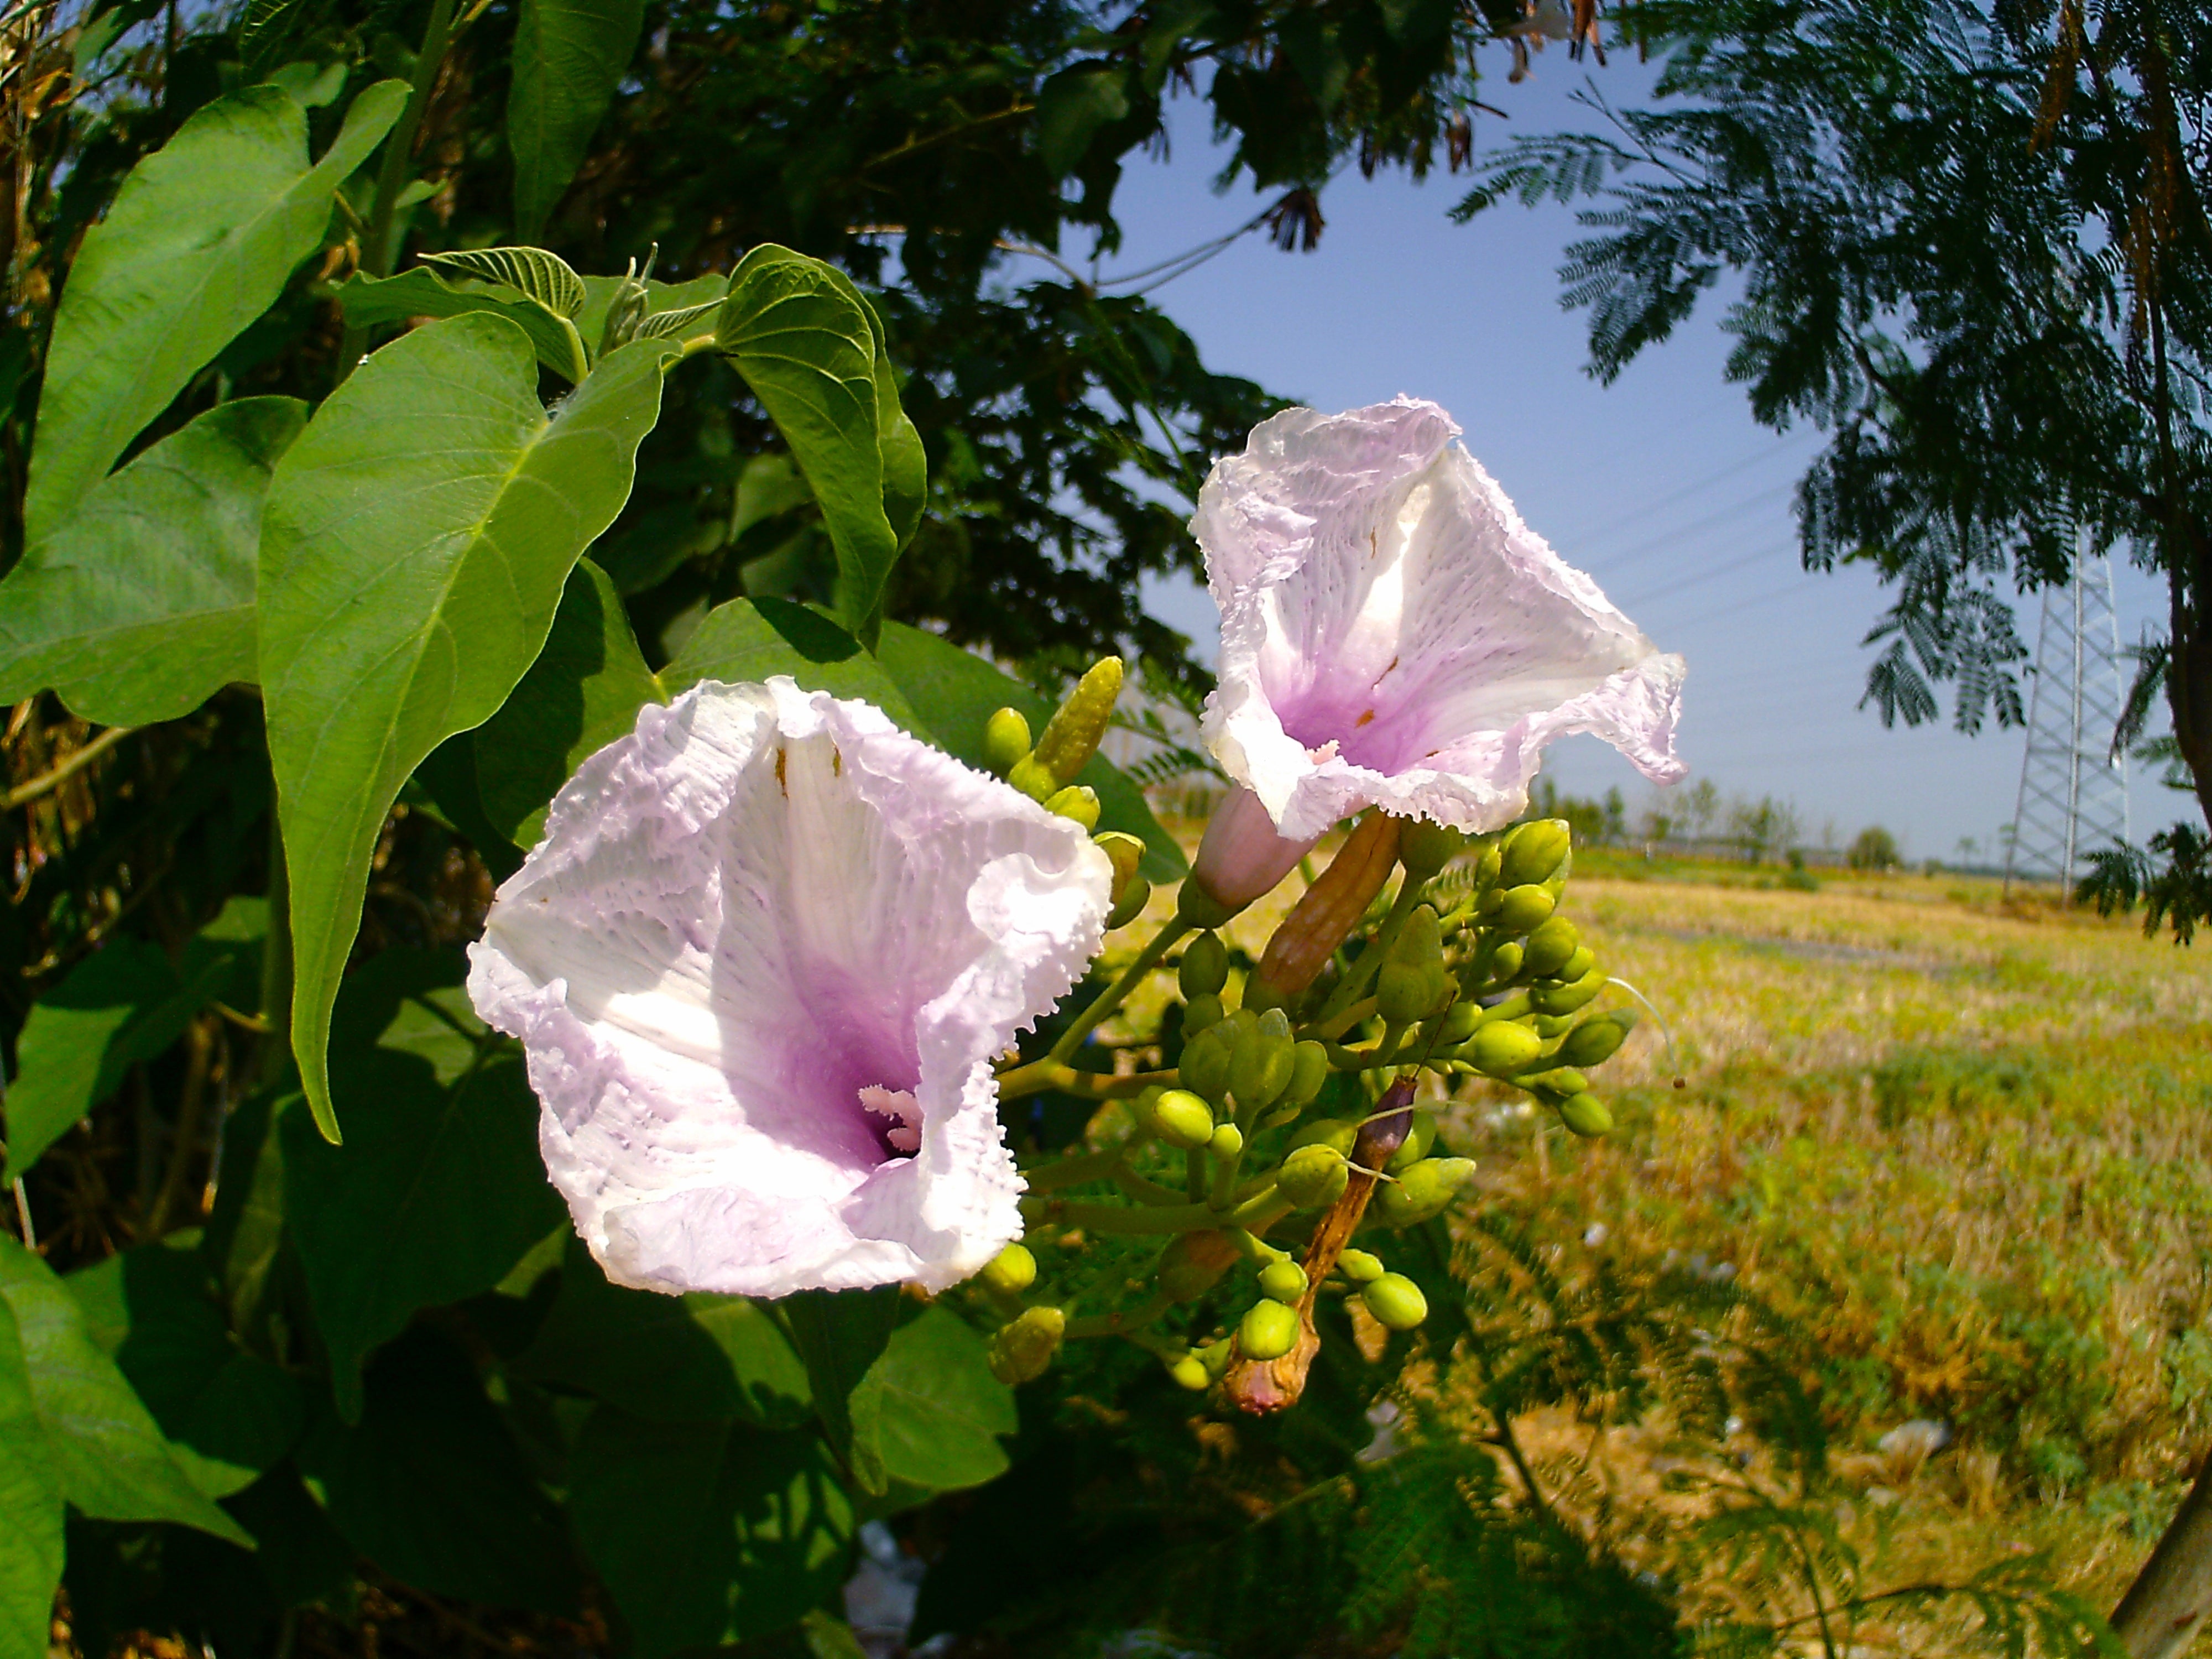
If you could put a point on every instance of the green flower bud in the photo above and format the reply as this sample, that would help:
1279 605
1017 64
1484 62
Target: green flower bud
1533 851
1021 1350
1593 1042
1033 778
1274 1025
1006 740
1577 965
1560 1080
1568 998
1460 1023
1135 894
1261 1063
1205 966
1269 1331
1262 998
1192 1263
1071 736
1309 1073
1124 851
1360 1268
1180 1118
1190 1372
1313 1177
1338 1134
1077 801
1228 1142
1012 1271
1202 1012
1548 1026
1550 943
1401 992
1396 1302
1506 961
1420 1135
1420 941
1283 1281
1585 1115
1520 909
1425 847
1204 1067
1422 1190
1502 1047
1487 864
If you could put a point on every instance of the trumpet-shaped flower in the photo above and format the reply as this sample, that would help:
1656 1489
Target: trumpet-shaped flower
762 963
1392 633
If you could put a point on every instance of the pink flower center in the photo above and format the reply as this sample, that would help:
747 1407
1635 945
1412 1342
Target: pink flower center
899 1105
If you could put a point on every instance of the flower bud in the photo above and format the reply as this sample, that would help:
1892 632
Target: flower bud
1011 1271
1227 1142
1579 963
1313 1177
1548 1026
1487 864
1420 1135
1401 992
1129 902
1336 1133
1180 1118
1425 847
1202 1012
1205 966
1269 1331
1192 1263
1124 851
1520 909
1502 1047
1071 736
1022 1349
1396 1302
1550 943
1076 801
1033 778
1560 1080
1421 1190
1190 1372
1586 1115
1359 1267
1239 857
1261 1063
1204 1067
1420 939
1309 1073
1460 1023
1566 999
1506 961
1283 1281
1006 740
1533 851
1384 1131
1593 1042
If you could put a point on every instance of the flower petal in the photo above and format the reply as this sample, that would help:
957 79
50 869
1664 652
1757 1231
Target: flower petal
760 904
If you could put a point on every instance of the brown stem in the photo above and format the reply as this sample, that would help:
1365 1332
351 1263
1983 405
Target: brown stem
183 1143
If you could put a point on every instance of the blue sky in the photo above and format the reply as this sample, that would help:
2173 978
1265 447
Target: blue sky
1661 486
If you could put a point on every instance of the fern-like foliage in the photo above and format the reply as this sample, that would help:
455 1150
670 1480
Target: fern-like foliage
2171 879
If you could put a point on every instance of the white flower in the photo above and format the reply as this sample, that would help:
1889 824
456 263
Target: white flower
762 963
1392 633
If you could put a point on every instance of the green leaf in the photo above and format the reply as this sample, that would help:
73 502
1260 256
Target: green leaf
108 1457
531 271
413 553
707 1533
440 1191
569 55
752 639
840 1334
659 325
961 692
31 1499
140 605
809 346
940 1410
659 297
690 1359
229 1415
121 1004
199 242
370 301
431 1486
1073 107
582 693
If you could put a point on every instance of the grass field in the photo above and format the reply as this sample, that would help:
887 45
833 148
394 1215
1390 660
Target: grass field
1962 1150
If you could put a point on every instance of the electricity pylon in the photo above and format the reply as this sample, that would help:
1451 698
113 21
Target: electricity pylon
2073 785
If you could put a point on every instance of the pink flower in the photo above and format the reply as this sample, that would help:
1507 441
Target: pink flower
1392 633
762 964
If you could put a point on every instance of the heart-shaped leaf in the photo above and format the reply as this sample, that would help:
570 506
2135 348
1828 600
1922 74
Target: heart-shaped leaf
569 57
370 300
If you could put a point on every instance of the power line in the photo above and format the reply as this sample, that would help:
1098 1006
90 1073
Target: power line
1623 519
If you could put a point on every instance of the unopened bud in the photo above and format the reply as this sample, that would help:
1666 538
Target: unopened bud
1359 1267
1313 1177
1424 847
1022 1350
1593 1042
1579 963
1384 1131
1401 992
1421 939
1586 1115
1550 943
1227 1142
1396 1302
1422 1189
1205 966
1190 1372
1460 1023
1503 1047
1033 778
1519 909
1071 736
1076 801
1180 1118
1309 1073
1269 1331
1560 1080
1006 740
1204 1067
1192 1263
1261 1063
1506 961
1283 1281
1011 1271
1533 852
1336 1133
1488 863
1419 1137
1124 850
1201 1013
1129 902
1568 998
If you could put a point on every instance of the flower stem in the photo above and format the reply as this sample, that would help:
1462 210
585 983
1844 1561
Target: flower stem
1258 1212
1118 993
1119 1323
1041 1074
1074 1171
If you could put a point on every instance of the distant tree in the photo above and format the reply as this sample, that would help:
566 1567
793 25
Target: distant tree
1701 807
1764 826
1616 817
1874 849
